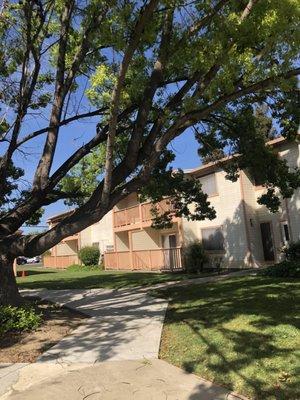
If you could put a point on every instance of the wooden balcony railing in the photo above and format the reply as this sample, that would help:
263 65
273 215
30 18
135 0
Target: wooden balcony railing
155 259
140 213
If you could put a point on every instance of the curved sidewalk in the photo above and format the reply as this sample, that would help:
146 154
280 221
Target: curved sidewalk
113 355
124 325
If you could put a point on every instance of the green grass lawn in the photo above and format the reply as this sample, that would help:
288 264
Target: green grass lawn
242 333
39 277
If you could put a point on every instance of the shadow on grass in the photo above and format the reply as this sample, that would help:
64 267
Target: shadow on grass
242 334
93 279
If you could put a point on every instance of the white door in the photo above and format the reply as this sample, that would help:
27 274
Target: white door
169 243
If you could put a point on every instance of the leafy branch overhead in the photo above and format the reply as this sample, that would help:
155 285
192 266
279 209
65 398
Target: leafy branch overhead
139 75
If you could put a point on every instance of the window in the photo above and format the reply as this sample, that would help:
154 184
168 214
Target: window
212 239
209 185
285 232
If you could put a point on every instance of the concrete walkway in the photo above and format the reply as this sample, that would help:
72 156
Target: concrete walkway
124 325
112 355
113 380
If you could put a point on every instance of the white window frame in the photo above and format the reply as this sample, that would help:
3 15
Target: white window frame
285 241
213 176
216 227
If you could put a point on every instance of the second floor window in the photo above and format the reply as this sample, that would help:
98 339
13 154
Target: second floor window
285 232
212 239
209 185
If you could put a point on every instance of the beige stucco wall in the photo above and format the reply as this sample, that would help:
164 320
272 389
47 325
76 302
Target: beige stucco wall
86 237
150 238
252 223
294 214
101 232
145 239
122 241
290 208
292 155
66 249
265 215
230 217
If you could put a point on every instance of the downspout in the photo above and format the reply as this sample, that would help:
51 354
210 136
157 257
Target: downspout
130 250
182 240
79 246
288 218
247 233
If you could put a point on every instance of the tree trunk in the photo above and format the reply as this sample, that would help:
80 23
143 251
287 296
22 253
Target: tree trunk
9 293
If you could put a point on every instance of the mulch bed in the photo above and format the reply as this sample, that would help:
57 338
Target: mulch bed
26 347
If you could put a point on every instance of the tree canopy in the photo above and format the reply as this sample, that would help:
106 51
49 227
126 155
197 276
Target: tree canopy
147 72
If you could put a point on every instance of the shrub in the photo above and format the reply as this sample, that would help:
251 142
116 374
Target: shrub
285 269
89 255
18 319
292 252
81 268
195 257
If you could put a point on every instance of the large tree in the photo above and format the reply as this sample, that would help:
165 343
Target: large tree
148 71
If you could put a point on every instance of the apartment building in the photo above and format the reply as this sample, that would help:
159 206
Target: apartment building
65 253
243 234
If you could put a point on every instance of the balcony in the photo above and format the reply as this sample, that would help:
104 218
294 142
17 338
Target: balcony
138 216
168 260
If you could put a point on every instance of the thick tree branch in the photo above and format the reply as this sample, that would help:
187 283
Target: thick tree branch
89 114
203 22
100 137
116 95
146 103
26 88
76 222
195 116
203 82
86 41
45 163
14 219
248 9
